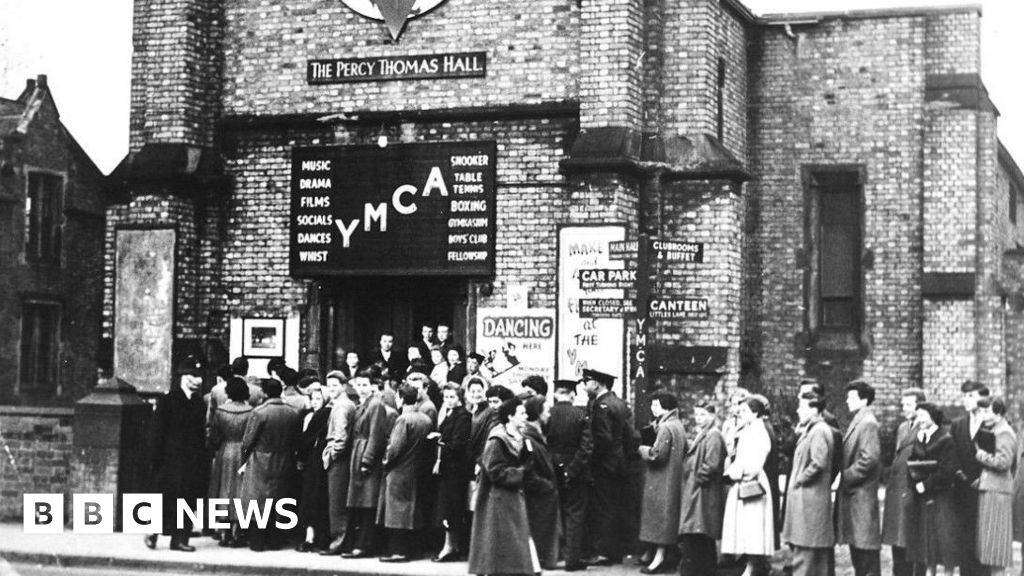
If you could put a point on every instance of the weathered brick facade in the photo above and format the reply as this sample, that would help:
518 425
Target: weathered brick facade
34 143
39 462
686 120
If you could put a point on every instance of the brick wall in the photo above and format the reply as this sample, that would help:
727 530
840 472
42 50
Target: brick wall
835 94
76 284
39 440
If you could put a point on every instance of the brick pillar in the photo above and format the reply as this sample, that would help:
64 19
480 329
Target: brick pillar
963 310
611 48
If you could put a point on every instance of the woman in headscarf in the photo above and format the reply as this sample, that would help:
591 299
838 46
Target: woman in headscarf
226 428
501 542
748 527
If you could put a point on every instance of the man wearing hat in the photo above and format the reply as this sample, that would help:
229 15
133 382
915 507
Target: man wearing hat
569 439
180 460
609 420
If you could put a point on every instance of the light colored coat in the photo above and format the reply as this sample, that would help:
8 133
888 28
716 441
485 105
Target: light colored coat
857 498
997 469
748 526
899 497
809 501
703 486
663 482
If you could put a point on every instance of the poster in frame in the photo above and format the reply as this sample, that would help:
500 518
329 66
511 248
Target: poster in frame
263 337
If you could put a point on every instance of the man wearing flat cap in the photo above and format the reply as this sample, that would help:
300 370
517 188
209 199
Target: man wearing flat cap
609 428
178 444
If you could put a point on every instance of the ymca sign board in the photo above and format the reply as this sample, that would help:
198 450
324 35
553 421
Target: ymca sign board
407 209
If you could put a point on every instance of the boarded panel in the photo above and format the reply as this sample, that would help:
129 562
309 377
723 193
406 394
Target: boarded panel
144 308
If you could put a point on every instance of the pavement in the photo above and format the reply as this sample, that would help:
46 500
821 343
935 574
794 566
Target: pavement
86 553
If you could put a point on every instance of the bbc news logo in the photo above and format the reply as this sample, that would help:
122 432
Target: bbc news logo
144 513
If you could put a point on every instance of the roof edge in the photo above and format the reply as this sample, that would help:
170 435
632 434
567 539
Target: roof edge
867 14
1006 160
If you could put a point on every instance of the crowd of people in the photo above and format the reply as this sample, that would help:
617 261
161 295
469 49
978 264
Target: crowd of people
421 455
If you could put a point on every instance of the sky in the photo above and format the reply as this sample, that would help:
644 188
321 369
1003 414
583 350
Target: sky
84 48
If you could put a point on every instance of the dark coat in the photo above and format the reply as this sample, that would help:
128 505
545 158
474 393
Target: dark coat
407 455
857 498
396 365
455 467
480 428
663 482
500 541
457 373
899 496
312 441
542 509
609 418
180 460
937 534
703 498
369 439
268 449
570 443
809 499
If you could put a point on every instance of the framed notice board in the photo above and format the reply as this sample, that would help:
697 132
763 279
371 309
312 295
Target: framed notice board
405 209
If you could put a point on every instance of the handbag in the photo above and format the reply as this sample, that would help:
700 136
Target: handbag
749 490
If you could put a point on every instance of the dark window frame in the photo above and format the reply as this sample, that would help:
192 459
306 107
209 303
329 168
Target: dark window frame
44 220
1015 199
817 179
35 311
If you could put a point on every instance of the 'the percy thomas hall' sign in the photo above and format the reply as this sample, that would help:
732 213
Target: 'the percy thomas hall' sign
409 209
380 68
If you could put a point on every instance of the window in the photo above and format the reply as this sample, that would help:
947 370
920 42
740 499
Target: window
43 217
836 247
1014 200
40 327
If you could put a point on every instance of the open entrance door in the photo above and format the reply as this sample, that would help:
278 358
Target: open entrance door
357 311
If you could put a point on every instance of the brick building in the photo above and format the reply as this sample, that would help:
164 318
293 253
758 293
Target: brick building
52 206
828 190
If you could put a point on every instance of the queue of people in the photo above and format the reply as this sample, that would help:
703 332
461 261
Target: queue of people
515 482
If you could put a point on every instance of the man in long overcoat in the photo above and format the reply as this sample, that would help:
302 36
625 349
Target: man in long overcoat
336 459
569 439
808 527
405 459
180 461
268 456
857 498
703 498
609 419
370 437
899 495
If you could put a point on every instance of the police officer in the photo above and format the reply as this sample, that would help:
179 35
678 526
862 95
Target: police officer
179 449
570 443
609 427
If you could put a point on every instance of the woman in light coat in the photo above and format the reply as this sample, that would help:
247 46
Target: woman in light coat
748 527
995 489
226 429
663 482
